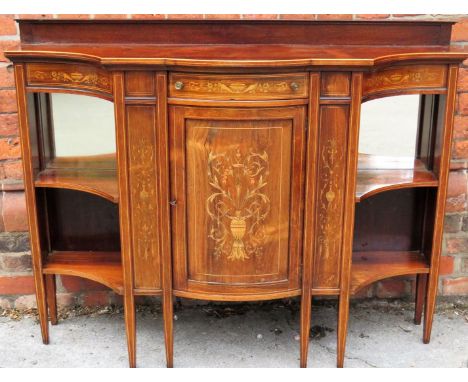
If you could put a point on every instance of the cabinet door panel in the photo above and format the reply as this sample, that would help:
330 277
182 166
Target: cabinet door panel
236 177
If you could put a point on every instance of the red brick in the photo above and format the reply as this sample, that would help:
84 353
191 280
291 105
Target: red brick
75 16
7 45
149 17
110 17
10 148
452 223
222 17
8 101
36 17
25 302
463 103
460 31
65 300
298 17
366 292
15 262
460 126
456 204
14 212
463 265
97 298
446 265
260 17
372 17
460 149
79 284
408 15
390 288
458 164
457 245
462 83
8 124
334 17
455 287
7 79
11 170
457 183
185 17
16 285
7 25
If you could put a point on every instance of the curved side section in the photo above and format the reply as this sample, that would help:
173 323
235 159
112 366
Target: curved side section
391 187
104 268
369 267
377 174
111 196
101 183
449 56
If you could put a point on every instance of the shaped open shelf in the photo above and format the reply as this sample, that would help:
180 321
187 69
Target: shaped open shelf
378 174
96 175
368 267
102 267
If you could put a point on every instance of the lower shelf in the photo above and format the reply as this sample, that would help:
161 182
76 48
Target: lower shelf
368 267
102 267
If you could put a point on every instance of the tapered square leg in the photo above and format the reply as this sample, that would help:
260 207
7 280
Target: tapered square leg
39 281
130 328
421 285
343 315
306 306
51 292
431 295
168 314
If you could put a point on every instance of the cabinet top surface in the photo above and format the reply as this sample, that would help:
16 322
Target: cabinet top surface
236 43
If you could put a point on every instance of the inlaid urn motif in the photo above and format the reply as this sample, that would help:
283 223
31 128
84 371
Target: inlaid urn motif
238 205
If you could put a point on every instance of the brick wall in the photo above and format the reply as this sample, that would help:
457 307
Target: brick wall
16 284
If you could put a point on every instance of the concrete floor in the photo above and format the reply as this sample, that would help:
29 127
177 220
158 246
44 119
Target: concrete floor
381 334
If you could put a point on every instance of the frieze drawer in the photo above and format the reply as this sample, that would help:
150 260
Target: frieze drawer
238 87
72 76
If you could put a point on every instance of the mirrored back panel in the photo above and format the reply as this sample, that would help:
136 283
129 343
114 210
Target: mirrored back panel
87 130
72 131
389 126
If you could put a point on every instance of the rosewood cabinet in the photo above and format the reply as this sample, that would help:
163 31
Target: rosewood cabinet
236 174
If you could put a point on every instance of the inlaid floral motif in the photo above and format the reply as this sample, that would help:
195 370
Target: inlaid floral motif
238 87
238 205
90 79
331 157
410 77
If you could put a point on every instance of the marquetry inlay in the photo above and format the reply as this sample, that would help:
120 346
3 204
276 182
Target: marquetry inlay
238 86
416 76
73 76
237 206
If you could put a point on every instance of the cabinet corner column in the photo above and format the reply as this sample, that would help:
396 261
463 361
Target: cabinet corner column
443 173
348 218
30 193
309 221
164 214
124 215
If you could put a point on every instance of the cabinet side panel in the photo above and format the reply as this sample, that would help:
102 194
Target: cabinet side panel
330 196
141 121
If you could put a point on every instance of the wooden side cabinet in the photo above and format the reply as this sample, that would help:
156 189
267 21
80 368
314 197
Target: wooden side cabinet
219 160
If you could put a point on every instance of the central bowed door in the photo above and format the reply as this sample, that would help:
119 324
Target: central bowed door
236 184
